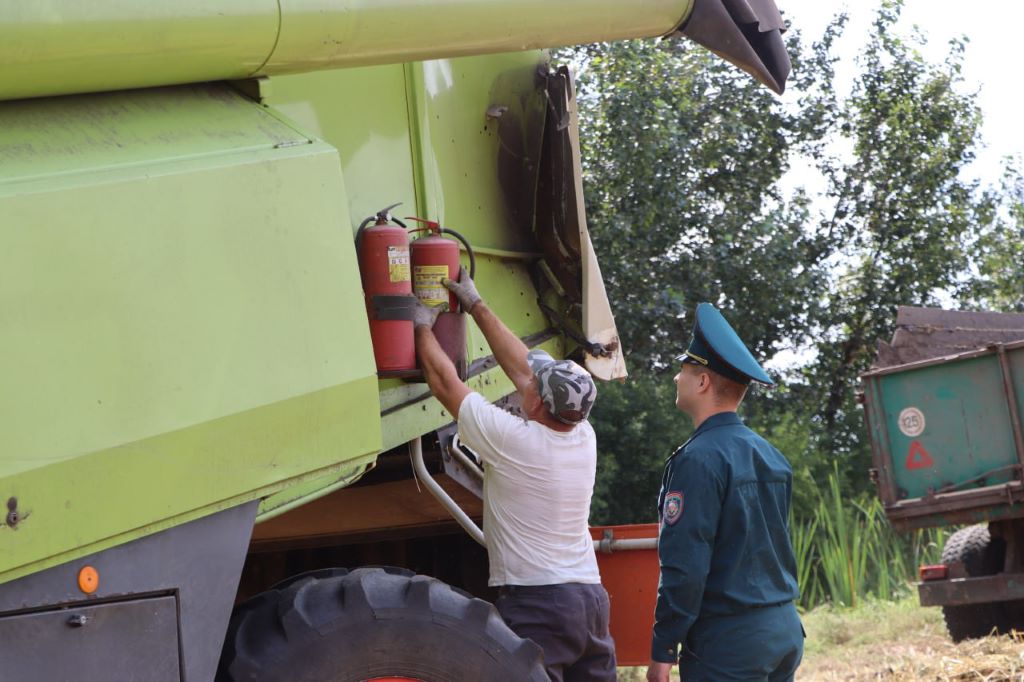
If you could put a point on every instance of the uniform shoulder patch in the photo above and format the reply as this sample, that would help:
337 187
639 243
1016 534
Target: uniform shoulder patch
673 508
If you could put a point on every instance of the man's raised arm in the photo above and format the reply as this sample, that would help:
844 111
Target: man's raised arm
438 370
508 349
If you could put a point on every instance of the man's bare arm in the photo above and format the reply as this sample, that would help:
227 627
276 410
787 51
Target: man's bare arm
508 349
440 373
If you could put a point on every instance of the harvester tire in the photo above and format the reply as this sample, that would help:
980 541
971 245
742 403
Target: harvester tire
349 626
981 556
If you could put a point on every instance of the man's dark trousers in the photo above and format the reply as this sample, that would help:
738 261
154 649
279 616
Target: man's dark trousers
569 622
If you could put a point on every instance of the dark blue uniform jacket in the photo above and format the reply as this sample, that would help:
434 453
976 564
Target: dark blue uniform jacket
724 540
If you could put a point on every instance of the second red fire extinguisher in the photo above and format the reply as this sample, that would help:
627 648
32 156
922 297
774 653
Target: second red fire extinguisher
434 257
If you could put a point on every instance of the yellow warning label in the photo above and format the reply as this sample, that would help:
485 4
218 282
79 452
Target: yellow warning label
426 284
398 263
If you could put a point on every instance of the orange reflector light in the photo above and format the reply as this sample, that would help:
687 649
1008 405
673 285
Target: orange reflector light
88 579
933 572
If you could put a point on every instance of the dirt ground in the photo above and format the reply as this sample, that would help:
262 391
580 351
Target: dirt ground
901 641
896 641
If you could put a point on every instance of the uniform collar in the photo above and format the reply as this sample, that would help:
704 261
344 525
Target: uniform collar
716 420
712 422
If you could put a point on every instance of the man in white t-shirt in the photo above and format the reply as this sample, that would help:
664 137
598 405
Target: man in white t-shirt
538 481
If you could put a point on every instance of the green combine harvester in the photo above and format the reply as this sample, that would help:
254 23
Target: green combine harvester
196 433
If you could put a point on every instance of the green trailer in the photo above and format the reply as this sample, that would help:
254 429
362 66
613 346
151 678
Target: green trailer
944 406
195 434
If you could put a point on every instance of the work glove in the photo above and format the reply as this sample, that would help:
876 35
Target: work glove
425 315
464 289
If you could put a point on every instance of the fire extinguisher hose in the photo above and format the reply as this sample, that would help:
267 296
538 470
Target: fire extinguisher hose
469 249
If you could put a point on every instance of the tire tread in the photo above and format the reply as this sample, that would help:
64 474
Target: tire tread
275 631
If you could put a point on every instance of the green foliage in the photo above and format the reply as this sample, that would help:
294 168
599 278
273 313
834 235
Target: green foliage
847 552
685 160
684 206
844 552
804 534
689 168
625 417
999 252
682 187
902 214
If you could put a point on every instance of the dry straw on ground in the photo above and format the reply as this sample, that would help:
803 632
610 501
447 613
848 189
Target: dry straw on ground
993 659
894 641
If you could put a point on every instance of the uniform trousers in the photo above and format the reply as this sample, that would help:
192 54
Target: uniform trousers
756 645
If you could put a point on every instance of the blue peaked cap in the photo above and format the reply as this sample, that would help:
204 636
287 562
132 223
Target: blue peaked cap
717 346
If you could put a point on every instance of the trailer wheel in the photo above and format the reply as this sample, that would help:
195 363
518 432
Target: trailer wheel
981 556
373 623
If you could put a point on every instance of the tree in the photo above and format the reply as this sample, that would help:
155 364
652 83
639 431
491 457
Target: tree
637 429
683 196
999 252
684 205
902 215
685 163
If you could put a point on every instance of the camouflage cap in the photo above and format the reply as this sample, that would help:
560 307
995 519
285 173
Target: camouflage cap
567 390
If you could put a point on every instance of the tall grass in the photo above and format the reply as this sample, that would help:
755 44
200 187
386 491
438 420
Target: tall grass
849 552
803 534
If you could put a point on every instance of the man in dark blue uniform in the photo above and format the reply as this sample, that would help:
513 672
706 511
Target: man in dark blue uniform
728 574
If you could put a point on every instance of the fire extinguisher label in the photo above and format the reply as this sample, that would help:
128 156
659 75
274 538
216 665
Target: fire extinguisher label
398 263
426 284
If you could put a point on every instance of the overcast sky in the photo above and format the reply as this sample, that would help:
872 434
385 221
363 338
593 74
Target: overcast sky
991 65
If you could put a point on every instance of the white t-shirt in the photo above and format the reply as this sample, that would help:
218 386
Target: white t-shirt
537 488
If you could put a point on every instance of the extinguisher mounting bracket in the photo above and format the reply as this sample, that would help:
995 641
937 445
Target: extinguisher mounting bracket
393 307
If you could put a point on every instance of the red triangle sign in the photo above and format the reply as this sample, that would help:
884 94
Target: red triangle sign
918 457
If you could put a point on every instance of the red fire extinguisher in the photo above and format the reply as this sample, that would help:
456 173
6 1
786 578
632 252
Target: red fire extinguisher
383 252
394 274
434 257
